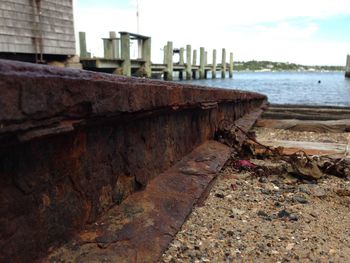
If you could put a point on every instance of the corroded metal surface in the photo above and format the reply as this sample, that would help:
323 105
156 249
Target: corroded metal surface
73 144
140 229
35 96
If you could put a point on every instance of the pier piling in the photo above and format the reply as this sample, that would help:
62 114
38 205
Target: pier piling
213 69
125 53
83 48
115 44
117 59
111 46
181 59
169 62
146 56
188 63
223 64
230 70
347 69
181 62
205 64
107 48
201 63
194 63
165 51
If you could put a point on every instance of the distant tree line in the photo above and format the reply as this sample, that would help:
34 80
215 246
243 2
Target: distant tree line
254 65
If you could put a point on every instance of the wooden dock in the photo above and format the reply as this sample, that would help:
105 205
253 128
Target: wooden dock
117 59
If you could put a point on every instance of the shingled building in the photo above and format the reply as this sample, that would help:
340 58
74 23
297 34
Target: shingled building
37 30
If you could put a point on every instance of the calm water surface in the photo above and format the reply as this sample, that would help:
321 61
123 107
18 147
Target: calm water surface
289 87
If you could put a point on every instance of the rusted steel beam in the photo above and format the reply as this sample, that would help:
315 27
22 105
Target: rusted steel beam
149 219
75 143
35 96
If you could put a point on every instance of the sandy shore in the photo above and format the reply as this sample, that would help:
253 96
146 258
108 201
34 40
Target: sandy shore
274 218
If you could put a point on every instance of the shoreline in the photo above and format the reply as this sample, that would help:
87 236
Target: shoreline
291 71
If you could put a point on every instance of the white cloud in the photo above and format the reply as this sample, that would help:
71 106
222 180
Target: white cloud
253 29
285 30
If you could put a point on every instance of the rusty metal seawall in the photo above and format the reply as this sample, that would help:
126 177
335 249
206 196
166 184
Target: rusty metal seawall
74 143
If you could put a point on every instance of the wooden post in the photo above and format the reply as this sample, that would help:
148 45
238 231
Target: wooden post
83 49
165 51
223 64
194 62
230 70
168 74
205 64
347 69
188 63
181 54
125 53
115 44
201 62
181 63
213 69
107 48
110 46
146 56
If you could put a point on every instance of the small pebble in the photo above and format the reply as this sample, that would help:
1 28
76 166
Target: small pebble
300 199
220 195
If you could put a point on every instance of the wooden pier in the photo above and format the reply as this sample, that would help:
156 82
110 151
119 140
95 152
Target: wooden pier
347 69
117 59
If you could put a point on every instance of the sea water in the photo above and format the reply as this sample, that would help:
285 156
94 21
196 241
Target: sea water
308 88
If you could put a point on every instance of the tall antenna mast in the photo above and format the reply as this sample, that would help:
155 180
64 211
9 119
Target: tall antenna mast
137 16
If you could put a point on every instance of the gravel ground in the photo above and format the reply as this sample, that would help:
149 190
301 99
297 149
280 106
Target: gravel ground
277 218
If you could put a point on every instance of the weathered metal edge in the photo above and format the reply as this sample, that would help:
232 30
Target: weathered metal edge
36 95
141 228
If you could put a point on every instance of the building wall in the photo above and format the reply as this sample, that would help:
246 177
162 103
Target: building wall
24 22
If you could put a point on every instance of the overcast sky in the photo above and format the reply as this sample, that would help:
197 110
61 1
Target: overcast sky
311 32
